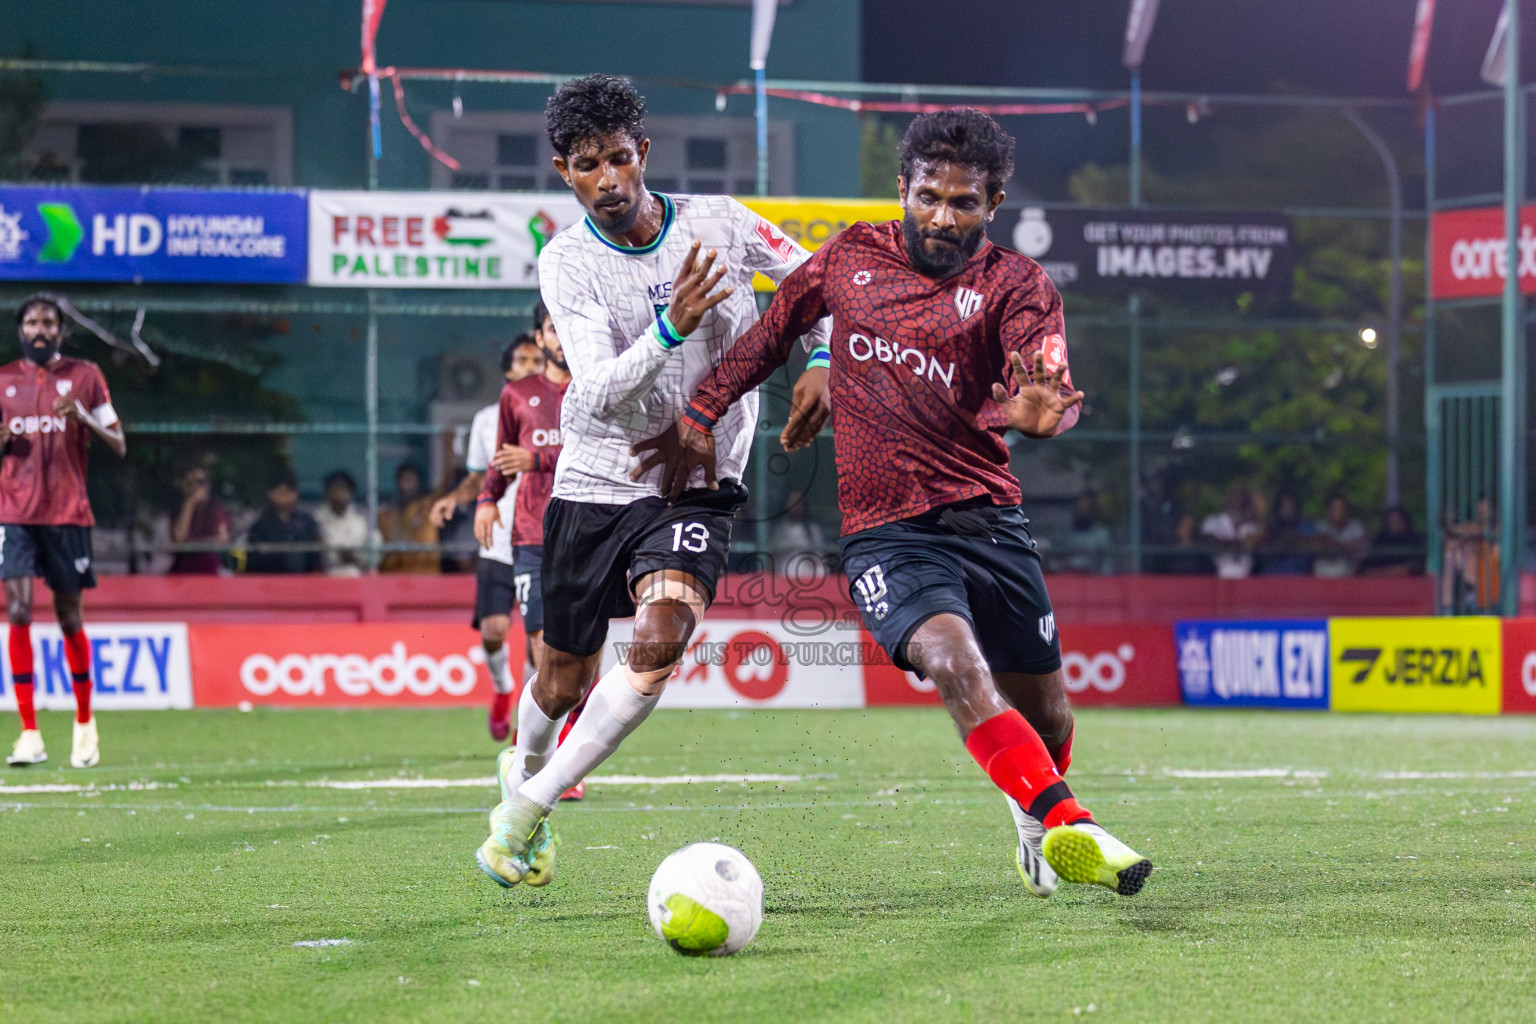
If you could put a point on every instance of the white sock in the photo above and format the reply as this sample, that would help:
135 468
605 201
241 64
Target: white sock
496 665
536 733
614 710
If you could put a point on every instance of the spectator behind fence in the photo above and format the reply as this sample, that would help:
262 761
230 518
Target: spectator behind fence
1287 546
1341 541
1236 529
1088 547
283 522
200 519
409 520
1398 549
800 546
1469 575
343 529
1185 556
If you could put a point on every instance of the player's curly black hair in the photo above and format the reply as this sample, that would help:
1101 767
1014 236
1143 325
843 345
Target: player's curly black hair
39 299
959 136
593 107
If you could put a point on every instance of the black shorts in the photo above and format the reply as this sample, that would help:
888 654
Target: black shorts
528 578
61 555
595 553
495 589
972 559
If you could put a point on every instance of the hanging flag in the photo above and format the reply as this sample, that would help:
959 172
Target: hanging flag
1493 63
1418 50
763 12
373 11
1138 29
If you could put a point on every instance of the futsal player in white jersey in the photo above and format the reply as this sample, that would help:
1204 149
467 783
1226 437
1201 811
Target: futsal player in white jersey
647 292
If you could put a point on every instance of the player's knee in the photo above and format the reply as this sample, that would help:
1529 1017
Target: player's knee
955 670
18 612
66 608
493 633
561 682
662 630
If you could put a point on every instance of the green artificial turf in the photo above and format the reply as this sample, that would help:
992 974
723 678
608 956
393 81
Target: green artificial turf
1338 889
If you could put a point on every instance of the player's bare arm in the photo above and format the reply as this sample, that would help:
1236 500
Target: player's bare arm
511 460
113 435
442 508
1040 404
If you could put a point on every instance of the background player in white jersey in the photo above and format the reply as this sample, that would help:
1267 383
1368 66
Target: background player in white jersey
647 292
495 586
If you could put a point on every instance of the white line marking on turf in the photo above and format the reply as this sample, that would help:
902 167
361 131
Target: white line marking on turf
1456 775
1242 773
597 780
60 787
317 943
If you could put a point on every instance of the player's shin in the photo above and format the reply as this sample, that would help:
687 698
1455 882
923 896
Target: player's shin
536 735
614 710
19 646
77 651
496 666
1014 757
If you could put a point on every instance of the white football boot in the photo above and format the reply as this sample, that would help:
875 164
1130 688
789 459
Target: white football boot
86 751
28 749
1088 855
1039 877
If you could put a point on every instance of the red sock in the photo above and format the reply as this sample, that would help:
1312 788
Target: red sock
19 645
77 651
501 706
1012 754
570 721
1063 754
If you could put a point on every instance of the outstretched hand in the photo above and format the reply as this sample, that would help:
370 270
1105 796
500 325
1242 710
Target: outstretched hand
1039 405
693 291
679 451
810 408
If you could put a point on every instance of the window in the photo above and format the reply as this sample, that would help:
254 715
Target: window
509 151
161 143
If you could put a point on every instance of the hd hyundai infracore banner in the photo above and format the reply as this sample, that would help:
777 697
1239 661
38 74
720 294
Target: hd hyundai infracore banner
153 235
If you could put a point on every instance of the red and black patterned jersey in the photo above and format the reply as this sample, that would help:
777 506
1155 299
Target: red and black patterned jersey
42 469
913 363
530 418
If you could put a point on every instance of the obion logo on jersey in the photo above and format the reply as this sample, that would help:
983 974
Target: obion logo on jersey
38 425
340 665
543 438
922 365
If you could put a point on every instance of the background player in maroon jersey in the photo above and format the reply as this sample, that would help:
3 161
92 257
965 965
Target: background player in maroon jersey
527 449
47 402
495 578
941 342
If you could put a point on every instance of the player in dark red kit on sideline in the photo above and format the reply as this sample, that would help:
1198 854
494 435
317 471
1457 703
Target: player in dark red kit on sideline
942 342
527 449
49 407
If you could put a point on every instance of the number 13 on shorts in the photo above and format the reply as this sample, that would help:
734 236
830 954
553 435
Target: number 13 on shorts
689 537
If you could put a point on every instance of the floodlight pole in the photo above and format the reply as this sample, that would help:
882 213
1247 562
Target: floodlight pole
761 75
1511 508
1395 296
1135 352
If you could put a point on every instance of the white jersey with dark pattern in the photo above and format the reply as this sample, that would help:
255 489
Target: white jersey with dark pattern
625 387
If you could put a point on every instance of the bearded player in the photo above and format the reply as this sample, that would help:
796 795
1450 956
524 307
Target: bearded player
942 342
647 292
50 405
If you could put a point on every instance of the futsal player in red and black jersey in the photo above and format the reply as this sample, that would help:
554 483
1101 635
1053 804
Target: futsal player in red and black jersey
941 343
50 405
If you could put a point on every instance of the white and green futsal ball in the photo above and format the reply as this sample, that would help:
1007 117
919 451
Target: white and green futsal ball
706 900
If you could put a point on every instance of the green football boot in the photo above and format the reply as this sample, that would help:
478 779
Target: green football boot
1088 855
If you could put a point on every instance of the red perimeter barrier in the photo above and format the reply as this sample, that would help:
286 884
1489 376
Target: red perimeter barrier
449 599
